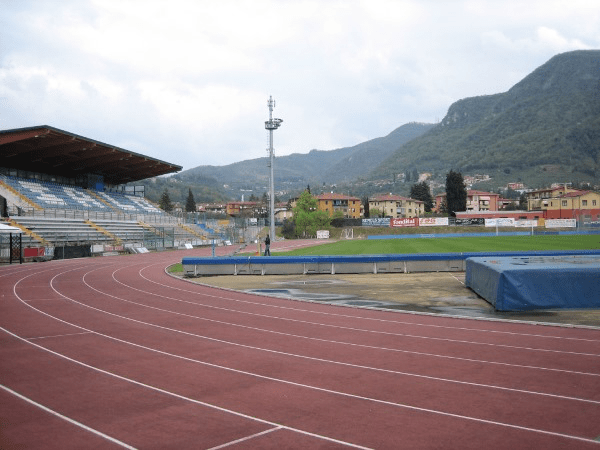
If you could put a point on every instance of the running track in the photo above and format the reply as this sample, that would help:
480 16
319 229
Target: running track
112 352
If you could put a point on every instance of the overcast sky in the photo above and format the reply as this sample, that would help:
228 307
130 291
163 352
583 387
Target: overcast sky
187 81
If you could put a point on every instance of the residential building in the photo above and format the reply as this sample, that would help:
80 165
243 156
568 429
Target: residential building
282 212
213 208
573 205
246 209
332 203
396 206
516 215
539 199
476 201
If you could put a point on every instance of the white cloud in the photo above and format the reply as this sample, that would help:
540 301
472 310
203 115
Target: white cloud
187 81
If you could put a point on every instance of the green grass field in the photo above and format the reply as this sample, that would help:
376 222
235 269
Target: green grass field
452 245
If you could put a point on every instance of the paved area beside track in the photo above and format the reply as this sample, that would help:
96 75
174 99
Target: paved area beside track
435 293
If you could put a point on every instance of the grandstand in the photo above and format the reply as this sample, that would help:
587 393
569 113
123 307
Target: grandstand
67 191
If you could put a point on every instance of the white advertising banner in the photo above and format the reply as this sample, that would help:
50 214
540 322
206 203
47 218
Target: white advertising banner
323 234
500 222
561 223
433 221
526 223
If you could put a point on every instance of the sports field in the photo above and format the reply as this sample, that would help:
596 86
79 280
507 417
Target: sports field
452 245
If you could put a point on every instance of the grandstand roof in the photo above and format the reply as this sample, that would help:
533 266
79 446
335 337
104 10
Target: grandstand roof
49 150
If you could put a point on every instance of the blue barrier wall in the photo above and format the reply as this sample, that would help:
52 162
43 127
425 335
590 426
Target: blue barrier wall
325 259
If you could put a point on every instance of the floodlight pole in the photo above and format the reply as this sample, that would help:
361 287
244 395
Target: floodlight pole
271 125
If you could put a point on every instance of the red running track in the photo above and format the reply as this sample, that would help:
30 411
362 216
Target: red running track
112 352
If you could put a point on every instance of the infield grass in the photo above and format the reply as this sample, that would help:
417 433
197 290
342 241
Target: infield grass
452 245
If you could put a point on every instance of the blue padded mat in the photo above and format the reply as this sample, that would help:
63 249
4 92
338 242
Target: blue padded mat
536 282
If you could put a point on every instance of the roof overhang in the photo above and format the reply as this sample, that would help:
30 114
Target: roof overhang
49 150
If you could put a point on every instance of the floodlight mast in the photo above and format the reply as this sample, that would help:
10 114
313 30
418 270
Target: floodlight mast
271 125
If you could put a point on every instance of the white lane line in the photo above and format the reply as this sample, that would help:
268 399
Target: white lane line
247 438
460 341
328 391
309 358
267 305
169 393
57 335
316 388
456 278
67 419
397 350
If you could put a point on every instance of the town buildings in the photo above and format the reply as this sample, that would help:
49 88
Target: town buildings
395 206
332 203
476 201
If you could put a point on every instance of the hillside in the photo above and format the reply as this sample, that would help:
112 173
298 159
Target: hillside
545 128
317 166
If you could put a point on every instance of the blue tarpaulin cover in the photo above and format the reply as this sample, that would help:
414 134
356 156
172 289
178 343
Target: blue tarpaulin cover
536 282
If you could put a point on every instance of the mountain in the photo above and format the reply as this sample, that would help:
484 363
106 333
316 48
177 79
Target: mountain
545 128
316 167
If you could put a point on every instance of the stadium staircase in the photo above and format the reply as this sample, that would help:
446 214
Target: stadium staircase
30 237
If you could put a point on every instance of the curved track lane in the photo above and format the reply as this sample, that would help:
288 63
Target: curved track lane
113 352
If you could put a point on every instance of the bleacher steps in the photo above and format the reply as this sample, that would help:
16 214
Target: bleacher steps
192 231
104 231
30 233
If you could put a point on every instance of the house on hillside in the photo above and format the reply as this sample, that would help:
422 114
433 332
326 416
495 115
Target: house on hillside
396 206
476 201
350 207
246 209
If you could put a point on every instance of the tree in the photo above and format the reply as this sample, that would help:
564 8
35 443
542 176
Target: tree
190 204
523 202
165 201
421 191
456 193
307 218
365 202
375 213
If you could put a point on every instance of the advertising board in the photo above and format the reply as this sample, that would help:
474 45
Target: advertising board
376 222
433 221
500 222
404 222
561 223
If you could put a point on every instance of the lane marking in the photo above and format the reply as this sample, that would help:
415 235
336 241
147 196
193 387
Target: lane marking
247 438
316 388
277 352
67 419
169 393
328 391
220 297
58 335
339 326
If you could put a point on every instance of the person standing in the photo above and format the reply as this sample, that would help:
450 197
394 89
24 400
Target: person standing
267 246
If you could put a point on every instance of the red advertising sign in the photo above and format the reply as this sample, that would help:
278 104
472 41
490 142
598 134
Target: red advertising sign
404 222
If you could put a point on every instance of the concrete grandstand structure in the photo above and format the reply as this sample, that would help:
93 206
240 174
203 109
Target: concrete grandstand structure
67 192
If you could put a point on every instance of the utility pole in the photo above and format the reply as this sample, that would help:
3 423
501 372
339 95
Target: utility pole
271 125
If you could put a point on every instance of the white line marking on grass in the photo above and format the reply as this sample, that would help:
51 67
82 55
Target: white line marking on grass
65 418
